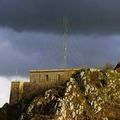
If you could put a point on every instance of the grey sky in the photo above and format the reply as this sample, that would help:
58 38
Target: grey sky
31 34
34 50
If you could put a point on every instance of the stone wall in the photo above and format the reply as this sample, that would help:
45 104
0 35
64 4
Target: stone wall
40 80
34 88
16 91
53 74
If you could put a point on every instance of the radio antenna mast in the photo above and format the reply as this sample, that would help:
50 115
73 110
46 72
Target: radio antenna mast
65 21
16 73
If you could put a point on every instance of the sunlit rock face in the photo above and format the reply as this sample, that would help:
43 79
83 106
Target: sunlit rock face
90 94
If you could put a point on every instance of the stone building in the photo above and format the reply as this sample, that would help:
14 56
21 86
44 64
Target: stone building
40 80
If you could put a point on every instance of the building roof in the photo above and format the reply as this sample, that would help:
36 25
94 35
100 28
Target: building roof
54 70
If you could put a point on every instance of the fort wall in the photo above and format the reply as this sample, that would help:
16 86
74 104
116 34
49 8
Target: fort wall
40 80
51 75
16 91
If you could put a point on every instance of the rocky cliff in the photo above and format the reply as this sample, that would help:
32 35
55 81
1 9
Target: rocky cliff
90 94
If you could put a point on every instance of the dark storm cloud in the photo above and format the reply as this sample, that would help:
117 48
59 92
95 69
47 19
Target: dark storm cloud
47 15
23 51
35 45
27 50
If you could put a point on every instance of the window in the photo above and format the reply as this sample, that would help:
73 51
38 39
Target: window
46 77
58 77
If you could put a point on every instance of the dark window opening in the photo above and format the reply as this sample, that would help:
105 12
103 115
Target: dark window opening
46 77
58 77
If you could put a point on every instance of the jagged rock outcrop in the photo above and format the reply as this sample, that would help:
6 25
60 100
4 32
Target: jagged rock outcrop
90 94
